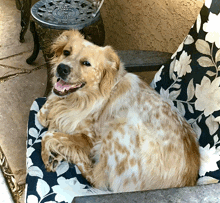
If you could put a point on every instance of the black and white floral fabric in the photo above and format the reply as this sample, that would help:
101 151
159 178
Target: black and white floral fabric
45 187
191 82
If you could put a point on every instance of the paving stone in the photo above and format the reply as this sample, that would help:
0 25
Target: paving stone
17 96
10 29
8 51
10 25
19 61
5 71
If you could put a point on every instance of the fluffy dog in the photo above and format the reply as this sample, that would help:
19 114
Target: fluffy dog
119 132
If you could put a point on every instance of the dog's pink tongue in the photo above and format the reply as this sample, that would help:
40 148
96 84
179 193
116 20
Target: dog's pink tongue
61 86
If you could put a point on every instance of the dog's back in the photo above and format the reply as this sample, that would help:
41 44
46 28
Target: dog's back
145 144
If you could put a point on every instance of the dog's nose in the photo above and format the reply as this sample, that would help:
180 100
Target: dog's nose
63 70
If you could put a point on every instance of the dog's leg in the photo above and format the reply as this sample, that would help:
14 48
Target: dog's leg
43 113
58 146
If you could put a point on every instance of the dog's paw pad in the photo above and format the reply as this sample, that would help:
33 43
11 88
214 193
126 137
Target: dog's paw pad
55 163
52 161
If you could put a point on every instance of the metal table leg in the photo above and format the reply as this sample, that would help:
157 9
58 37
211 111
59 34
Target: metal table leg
18 4
25 17
34 55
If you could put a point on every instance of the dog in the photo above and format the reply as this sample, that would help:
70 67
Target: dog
118 131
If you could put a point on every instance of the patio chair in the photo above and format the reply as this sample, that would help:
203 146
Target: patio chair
190 81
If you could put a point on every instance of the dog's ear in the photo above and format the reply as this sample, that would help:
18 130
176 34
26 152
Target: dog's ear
59 44
111 57
110 69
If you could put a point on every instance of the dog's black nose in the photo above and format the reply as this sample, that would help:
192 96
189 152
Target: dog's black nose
63 70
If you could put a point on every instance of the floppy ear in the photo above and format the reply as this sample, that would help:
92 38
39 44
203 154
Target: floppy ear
110 69
59 44
111 57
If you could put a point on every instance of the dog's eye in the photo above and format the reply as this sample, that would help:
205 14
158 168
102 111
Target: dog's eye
66 52
86 63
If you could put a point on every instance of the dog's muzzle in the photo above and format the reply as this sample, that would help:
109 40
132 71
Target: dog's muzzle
63 71
62 87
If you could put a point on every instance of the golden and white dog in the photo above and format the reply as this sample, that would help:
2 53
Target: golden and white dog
119 132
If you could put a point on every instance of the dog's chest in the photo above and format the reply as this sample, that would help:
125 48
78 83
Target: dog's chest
71 122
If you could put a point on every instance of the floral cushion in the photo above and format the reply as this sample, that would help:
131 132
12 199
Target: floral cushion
47 187
191 82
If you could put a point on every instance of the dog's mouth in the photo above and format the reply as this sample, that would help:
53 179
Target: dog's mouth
62 88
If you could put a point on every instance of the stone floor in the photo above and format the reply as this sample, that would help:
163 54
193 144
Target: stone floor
20 84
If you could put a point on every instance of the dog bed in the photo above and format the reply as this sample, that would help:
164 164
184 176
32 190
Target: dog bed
190 81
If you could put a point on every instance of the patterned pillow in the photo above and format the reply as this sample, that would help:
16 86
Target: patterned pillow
191 82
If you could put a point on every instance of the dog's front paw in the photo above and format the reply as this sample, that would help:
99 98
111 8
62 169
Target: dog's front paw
51 160
42 116
49 152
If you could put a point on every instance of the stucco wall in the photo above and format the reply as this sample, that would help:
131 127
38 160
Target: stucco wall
159 25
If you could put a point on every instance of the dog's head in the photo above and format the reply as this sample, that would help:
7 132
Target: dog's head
80 65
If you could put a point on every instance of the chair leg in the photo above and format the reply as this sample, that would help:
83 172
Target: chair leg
18 4
25 18
35 53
